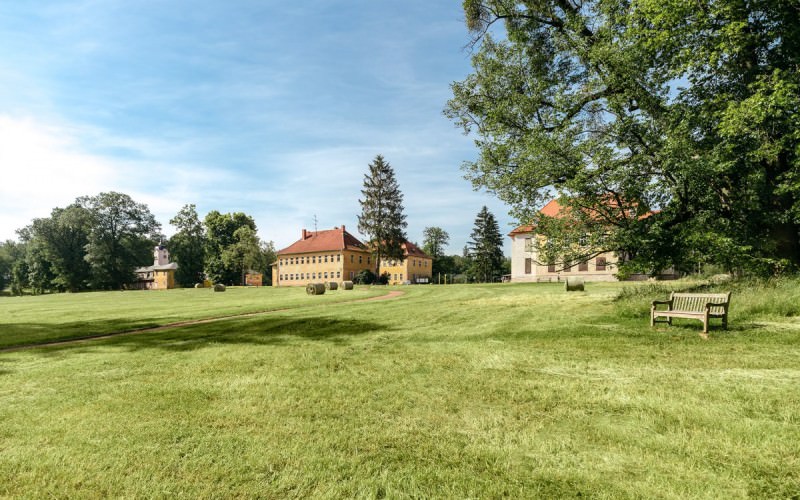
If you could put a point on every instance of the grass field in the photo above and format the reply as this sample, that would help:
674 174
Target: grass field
519 391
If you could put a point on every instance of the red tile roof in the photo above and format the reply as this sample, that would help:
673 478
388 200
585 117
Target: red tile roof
551 209
324 241
412 249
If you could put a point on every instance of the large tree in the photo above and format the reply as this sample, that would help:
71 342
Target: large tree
382 220
434 241
121 238
224 241
669 128
187 246
486 247
61 240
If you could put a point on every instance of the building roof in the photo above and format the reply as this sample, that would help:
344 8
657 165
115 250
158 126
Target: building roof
324 241
552 209
411 249
162 267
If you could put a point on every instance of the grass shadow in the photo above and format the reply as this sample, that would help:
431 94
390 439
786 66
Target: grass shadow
270 330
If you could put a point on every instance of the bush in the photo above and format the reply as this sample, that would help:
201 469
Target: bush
384 279
365 277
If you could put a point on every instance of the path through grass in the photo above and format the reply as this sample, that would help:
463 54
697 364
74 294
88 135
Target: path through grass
516 391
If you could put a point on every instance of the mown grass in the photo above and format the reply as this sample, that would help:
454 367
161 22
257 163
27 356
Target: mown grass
518 391
45 318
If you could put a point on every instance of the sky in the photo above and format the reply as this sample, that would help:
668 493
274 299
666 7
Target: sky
271 108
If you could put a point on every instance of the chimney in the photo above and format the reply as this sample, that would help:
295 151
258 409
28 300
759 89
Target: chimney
343 228
305 234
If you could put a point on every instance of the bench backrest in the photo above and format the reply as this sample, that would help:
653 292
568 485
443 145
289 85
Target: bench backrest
696 302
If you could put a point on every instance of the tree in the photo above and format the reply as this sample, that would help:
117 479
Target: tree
667 128
223 263
382 219
486 247
188 246
435 239
61 240
120 240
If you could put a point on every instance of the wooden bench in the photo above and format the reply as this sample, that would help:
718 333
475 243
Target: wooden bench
702 306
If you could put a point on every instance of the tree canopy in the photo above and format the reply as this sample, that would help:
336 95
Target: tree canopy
188 245
382 219
669 128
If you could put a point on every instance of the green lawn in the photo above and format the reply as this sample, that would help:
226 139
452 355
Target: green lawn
36 319
519 391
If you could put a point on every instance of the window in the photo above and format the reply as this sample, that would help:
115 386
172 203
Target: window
351 261
368 259
326 274
313 259
313 276
338 274
360 258
326 258
551 268
401 276
338 257
600 264
583 266
583 240
528 265
529 244
291 260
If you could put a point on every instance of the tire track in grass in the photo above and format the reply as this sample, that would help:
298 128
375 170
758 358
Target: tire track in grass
150 329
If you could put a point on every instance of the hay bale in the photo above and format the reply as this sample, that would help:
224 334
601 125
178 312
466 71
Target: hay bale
332 285
315 288
198 285
219 287
573 284
347 285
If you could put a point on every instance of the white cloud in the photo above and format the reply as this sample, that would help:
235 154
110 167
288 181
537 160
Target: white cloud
41 168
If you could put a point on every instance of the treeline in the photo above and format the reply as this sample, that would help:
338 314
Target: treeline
481 261
96 243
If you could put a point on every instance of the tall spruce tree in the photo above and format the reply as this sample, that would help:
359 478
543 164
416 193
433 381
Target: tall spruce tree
382 219
485 247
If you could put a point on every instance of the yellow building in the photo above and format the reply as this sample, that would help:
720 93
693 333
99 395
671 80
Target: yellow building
159 276
318 256
416 266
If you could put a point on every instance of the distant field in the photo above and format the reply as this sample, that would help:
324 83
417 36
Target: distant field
519 391
36 319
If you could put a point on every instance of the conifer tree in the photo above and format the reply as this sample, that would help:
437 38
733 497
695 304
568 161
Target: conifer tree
382 219
485 247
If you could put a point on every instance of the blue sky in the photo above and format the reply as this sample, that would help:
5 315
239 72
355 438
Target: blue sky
255 106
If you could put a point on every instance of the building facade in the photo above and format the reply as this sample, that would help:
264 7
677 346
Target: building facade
416 266
329 255
159 276
526 265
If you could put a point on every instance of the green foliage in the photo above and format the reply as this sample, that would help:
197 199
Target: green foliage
486 248
231 243
620 108
365 277
121 238
434 241
187 246
382 219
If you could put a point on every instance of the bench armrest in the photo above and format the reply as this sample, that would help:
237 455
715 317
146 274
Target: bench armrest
723 305
665 302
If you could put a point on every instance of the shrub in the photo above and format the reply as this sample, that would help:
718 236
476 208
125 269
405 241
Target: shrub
365 277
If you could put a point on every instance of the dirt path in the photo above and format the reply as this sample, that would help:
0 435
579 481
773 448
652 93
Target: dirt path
391 295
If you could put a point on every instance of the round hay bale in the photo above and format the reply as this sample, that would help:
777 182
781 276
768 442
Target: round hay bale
573 284
315 288
332 285
219 287
198 285
347 285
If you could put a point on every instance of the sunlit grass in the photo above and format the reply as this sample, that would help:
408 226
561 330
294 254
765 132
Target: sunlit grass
520 391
